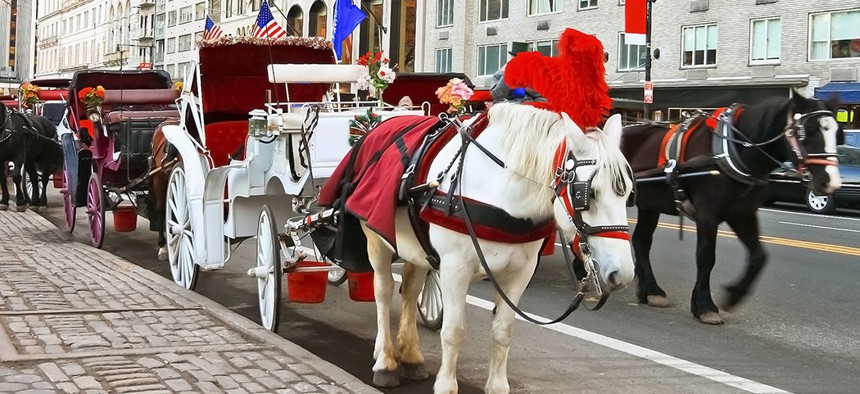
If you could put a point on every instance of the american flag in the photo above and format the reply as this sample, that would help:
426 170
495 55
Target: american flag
211 30
266 25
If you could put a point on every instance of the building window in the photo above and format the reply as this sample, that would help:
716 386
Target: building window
199 11
443 60
835 35
766 40
185 43
491 10
185 14
537 7
587 4
445 16
171 19
228 7
630 57
491 58
295 21
546 48
317 21
700 45
171 45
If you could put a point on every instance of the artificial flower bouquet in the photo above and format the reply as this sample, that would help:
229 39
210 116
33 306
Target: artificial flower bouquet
379 74
92 97
455 94
29 95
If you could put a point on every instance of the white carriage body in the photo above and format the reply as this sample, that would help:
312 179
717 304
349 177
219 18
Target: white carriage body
263 177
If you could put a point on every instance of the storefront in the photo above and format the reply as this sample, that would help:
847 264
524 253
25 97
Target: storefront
670 102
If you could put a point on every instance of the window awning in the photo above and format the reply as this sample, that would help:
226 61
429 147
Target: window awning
846 92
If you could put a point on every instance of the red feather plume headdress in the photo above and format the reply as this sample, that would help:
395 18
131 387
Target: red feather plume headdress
574 82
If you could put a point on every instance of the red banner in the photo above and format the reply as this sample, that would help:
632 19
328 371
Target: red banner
635 13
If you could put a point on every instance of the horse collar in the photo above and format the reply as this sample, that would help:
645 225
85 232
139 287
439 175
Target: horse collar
726 152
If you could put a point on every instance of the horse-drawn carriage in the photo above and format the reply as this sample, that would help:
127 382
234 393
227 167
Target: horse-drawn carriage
106 153
240 178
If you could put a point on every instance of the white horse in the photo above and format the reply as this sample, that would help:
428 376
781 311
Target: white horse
525 139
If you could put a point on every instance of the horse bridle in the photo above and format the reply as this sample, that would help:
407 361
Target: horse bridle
5 131
795 134
575 194
583 229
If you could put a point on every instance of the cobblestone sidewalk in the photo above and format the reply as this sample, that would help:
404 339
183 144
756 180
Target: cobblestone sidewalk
77 319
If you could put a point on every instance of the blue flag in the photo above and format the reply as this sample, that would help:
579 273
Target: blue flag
346 17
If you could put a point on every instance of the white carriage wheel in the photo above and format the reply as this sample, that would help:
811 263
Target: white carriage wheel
269 272
180 238
430 301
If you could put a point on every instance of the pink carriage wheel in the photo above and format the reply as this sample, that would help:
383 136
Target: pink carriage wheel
96 211
68 201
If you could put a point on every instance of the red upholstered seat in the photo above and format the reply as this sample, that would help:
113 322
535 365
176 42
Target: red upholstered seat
224 139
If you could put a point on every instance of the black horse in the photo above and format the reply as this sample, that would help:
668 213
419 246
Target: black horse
719 174
27 140
44 157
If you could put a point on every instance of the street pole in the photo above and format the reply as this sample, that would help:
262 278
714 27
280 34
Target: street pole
646 105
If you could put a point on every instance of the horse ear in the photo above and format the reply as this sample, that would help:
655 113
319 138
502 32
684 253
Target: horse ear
613 128
576 133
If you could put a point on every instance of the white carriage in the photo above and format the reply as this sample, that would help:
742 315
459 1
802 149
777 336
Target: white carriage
297 134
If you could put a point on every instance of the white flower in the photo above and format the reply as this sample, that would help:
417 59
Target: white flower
364 82
386 74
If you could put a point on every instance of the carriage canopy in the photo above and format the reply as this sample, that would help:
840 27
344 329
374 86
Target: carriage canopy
235 78
115 80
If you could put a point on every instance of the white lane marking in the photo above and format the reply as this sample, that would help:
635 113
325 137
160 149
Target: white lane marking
641 352
828 217
820 227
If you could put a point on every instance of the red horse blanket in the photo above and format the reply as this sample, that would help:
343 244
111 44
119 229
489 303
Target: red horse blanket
376 171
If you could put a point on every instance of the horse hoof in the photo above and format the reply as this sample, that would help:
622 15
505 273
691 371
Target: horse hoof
162 254
386 378
21 208
658 301
414 371
34 208
4 207
712 318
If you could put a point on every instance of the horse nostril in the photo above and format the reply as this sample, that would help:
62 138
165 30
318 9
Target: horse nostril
613 276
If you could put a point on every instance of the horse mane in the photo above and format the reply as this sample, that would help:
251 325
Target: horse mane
532 136
770 114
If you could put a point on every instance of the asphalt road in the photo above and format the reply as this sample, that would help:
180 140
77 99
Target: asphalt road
799 332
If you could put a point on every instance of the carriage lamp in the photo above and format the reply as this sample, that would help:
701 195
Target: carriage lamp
257 123
94 115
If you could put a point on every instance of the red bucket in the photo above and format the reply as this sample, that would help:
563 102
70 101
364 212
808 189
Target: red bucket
124 218
361 286
58 180
308 287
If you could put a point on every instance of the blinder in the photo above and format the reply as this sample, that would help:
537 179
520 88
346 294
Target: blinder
568 181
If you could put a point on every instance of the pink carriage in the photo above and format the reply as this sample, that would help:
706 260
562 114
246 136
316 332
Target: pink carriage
106 155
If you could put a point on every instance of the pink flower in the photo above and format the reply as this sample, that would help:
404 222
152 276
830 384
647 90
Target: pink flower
460 89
